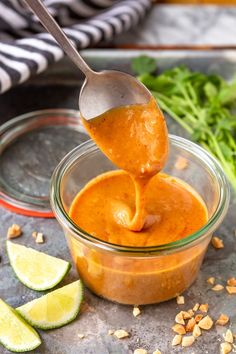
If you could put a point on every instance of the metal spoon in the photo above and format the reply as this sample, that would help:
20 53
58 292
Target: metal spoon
101 91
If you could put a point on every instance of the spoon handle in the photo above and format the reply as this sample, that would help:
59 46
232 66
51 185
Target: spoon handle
53 28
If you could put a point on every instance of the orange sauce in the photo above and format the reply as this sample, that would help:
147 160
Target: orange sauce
135 139
173 210
136 206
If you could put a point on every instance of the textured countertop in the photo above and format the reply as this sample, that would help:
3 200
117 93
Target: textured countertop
191 25
152 329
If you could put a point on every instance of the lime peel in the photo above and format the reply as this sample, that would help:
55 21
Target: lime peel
15 334
36 270
54 309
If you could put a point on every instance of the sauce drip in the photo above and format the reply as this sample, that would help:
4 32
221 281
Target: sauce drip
135 139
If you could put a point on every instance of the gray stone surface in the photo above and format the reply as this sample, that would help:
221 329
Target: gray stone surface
185 25
58 88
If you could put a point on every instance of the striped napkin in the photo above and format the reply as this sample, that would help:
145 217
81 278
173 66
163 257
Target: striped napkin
25 48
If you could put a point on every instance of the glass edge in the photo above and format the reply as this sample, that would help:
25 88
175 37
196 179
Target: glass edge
13 121
30 204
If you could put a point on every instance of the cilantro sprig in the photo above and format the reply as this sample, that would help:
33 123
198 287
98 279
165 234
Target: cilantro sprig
204 105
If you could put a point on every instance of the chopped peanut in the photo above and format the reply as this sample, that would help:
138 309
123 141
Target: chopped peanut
222 320
180 300
39 238
176 340
34 234
110 332
198 317
186 315
191 313
231 282
14 231
80 335
179 318
211 280
228 336
181 163
140 351
206 323
121 333
217 287
156 352
136 311
187 341
225 348
196 307
196 331
204 307
217 242
190 325
179 329
231 289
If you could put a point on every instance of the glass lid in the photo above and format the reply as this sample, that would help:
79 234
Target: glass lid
31 146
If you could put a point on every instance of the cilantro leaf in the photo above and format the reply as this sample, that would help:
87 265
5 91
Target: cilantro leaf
143 65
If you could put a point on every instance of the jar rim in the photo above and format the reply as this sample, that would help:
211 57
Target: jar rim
78 233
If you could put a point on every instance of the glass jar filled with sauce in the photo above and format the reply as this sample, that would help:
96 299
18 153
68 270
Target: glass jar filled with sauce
151 272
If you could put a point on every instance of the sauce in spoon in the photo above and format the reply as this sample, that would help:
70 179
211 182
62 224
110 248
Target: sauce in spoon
135 139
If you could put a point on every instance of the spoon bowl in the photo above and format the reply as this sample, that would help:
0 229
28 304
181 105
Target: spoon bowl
105 90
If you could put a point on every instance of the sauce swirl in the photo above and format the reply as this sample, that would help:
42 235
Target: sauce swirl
135 139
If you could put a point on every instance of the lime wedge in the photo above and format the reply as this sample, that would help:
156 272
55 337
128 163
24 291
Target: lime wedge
15 334
55 309
36 270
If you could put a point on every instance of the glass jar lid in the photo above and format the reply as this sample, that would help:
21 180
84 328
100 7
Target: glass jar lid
31 146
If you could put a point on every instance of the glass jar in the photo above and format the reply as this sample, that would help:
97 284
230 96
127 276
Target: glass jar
139 275
31 146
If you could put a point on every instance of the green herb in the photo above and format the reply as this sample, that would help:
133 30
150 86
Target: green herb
202 104
143 65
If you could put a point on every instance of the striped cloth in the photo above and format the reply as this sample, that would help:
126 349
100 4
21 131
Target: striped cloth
25 48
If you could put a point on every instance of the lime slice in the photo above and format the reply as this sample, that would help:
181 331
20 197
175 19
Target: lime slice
15 334
36 270
55 309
